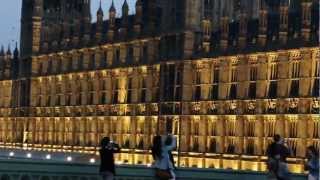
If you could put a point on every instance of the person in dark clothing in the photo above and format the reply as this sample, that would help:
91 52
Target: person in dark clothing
312 165
107 166
277 154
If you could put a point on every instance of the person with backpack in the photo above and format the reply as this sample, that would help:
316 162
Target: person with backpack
277 154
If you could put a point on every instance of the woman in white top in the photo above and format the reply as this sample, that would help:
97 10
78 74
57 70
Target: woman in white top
160 151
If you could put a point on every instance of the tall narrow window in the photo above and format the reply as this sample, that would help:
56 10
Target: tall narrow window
81 62
143 90
250 147
213 146
215 92
273 76
252 85
295 70
233 86
197 86
117 55
177 86
315 90
129 91
274 72
115 92
145 54
103 60
294 90
130 55
92 61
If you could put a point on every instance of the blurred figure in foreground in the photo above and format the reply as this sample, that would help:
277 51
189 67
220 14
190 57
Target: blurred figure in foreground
107 166
277 153
312 165
161 150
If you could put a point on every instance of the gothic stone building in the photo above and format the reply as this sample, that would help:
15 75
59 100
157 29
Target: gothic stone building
224 76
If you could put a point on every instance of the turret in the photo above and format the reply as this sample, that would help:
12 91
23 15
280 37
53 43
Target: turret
112 22
2 51
76 29
1 62
7 63
224 29
66 26
86 22
243 25
124 21
306 19
45 38
283 34
16 52
9 54
207 26
263 24
99 25
15 62
31 27
56 31
152 8
138 18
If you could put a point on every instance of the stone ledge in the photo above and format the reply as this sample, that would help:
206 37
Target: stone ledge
38 170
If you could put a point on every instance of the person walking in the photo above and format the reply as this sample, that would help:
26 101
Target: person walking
277 154
312 165
163 162
107 166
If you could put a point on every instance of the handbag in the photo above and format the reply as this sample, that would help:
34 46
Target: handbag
163 174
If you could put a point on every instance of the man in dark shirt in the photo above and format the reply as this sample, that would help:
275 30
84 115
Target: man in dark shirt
277 154
107 166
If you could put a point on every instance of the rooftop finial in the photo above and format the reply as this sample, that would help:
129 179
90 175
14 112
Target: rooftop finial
100 11
16 51
2 51
9 50
125 6
263 5
112 8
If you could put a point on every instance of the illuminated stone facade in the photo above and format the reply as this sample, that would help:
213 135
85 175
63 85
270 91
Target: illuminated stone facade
223 91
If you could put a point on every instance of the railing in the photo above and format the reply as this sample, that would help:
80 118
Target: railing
29 169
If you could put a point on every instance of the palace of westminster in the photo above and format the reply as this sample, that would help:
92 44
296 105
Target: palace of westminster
224 76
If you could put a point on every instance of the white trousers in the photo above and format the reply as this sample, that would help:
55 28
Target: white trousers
107 175
173 175
310 177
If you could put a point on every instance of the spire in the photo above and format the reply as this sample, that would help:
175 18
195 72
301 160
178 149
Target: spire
263 5
284 3
99 24
16 51
152 6
138 18
9 50
100 11
125 8
125 13
225 10
112 21
112 8
243 25
2 51
263 24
